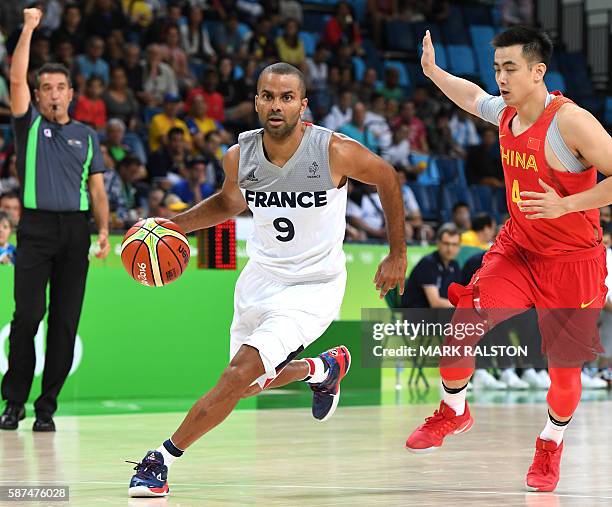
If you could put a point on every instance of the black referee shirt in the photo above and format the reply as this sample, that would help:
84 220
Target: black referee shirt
55 161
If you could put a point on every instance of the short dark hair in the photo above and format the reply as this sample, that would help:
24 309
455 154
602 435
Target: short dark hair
53 68
9 195
537 44
480 221
285 69
460 204
448 228
129 160
94 77
175 130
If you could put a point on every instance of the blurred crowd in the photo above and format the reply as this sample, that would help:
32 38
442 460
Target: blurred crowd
168 85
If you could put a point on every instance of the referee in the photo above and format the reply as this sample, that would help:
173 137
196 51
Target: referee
58 161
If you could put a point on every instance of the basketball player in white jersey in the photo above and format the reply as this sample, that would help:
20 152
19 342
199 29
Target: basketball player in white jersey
292 176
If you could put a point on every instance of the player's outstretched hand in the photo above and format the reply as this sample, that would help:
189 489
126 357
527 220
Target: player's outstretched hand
32 17
428 58
391 272
547 204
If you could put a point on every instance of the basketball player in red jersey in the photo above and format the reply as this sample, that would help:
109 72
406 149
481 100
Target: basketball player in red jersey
548 255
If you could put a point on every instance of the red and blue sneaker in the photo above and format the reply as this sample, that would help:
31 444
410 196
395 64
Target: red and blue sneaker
327 393
151 477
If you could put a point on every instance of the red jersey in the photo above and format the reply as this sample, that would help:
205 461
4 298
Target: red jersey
524 163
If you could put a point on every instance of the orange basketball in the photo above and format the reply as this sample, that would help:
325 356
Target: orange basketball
155 252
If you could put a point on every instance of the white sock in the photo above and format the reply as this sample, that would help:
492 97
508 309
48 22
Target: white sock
318 372
168 458
553 431
456 401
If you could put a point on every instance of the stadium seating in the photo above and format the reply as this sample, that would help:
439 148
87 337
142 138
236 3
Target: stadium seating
461 60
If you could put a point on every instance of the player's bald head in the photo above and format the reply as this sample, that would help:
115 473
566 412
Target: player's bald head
283 69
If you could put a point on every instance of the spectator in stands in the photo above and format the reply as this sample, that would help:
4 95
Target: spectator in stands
290 46
260 43
605 216
140 15
482 233
483 163
103 16
357 130
71 29
195 37
9 181
168 164
164 121
418 133
10 204
463 129
209 90
398 154
364 212
229 41
392 111
117 207
115 43
281 10
90 108
367 87
174 205
133 188
340 113
427 285
158 77
91 63
7 250
117 149
391 89
316 79
211 154
425 107
176 57
155 203
120 100
517 12
237 98
66 55
343 29
461 216
200 124
376 123
40 51
135 72
441 140
380 12
195 188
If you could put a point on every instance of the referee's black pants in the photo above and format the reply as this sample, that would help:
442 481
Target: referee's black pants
52 247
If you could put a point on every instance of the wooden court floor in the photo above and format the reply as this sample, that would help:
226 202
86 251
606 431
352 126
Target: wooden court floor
284 458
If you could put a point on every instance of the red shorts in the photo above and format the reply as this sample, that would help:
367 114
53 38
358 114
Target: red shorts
567 292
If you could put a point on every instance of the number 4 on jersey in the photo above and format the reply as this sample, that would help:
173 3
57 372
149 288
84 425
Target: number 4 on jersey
516 193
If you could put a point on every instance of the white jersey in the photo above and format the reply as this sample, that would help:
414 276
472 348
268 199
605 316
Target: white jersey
299 214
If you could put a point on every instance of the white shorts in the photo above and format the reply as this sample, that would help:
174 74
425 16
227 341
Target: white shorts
281 320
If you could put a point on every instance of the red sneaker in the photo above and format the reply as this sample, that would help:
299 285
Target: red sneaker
543 474
430 435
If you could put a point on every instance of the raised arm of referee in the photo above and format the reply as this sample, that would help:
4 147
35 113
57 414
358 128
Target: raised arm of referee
58 161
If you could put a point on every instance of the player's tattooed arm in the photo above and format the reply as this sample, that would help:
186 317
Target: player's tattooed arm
223 205
589 141
349 159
